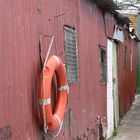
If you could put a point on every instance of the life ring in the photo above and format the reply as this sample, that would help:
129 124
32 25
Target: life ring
47 117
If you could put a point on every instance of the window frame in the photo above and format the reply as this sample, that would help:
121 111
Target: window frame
131 59
125 56
103 67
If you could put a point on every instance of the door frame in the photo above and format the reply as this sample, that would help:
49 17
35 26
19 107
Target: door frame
110 100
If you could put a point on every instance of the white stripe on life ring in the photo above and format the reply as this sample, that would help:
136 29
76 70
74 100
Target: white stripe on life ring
45 101
64 88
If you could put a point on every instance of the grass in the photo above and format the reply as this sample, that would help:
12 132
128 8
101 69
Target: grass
115 132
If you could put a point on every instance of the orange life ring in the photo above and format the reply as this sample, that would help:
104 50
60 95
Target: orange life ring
47 117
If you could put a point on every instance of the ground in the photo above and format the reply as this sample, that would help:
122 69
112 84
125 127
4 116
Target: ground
130 125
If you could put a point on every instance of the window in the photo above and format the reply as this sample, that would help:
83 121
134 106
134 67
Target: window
103 64
131 59
71 52
125 55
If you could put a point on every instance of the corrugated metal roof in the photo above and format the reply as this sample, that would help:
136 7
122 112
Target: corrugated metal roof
107 5
121 20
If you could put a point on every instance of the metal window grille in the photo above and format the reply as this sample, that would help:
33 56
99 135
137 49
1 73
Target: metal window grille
103 64
71 54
